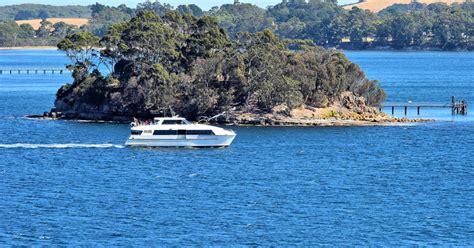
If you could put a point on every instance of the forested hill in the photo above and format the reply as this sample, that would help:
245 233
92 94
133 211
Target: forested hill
40 11
408 26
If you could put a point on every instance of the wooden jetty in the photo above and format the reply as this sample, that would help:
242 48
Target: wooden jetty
457 107
33 71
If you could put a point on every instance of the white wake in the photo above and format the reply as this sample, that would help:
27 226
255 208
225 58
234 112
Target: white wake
59 146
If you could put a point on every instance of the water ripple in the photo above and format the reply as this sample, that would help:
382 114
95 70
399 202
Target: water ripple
58 146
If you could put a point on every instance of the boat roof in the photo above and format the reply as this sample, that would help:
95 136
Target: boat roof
169 118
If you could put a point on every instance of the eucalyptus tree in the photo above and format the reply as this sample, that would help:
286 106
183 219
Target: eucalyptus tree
83 50
192 65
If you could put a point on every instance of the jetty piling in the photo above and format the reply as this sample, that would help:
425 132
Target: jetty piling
29 71
457 107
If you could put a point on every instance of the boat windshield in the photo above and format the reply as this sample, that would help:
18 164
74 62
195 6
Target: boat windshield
157 121
174 122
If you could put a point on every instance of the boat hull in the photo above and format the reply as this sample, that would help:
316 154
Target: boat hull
209 141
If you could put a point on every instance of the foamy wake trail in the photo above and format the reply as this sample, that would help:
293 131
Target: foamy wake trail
60 146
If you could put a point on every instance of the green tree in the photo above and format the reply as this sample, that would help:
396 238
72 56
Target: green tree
43 14
83 49
45 29
241 18
191 9
61 29
25 15
9 34
103 17
26 32
156 7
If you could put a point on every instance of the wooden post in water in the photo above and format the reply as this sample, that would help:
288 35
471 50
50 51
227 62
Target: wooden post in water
1 72
418 110
406 110
393 110
453 105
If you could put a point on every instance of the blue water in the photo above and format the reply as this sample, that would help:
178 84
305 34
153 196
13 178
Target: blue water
428 77
70 183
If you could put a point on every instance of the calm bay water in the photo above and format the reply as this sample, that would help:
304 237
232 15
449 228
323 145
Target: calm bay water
74 183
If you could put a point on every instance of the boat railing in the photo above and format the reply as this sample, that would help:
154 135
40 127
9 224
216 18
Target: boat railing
138 123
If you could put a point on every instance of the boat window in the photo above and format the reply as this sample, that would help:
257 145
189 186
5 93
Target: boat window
164 132
173 122
181 132
200 132
137 132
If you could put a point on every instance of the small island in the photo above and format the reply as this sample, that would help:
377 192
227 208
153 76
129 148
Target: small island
154 66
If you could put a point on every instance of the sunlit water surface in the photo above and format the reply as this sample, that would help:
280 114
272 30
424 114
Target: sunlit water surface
71 183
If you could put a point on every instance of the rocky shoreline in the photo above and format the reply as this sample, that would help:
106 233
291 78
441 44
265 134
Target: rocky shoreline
317 122
255 119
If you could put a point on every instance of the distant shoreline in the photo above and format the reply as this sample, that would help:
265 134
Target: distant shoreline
29 48
374 49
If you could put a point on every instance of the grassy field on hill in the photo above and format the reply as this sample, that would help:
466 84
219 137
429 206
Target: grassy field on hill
378 5
40 11
36 23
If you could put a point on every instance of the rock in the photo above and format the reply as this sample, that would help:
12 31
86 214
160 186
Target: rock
353 103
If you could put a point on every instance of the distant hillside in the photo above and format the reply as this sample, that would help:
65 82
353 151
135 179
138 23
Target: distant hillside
378 5
414 26
36 23
40 11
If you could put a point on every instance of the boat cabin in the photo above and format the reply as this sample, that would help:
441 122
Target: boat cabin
171 121
166 126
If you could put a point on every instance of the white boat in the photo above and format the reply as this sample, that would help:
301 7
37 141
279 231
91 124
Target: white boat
178 132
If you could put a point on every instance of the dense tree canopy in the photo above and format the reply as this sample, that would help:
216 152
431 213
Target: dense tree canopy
327 24
193 66
241 18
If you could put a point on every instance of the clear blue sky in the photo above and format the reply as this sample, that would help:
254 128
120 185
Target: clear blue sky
132 3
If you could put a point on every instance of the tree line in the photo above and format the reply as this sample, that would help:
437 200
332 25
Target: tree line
192 65
48 34
417 26
410 26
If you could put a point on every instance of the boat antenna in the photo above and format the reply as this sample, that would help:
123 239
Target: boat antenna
173 114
